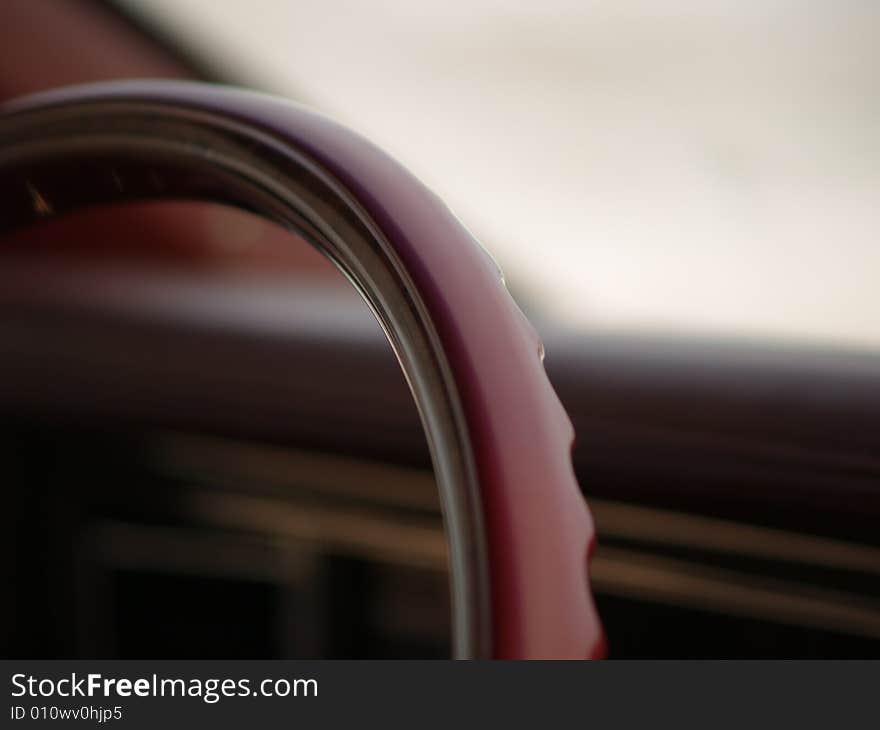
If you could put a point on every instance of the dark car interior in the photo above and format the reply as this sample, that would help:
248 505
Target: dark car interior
210 450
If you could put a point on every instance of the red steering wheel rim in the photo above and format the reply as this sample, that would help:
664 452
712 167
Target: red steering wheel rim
520 532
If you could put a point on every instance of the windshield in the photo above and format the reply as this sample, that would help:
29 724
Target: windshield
684 167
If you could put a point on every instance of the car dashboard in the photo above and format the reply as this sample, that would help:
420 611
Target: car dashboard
228 462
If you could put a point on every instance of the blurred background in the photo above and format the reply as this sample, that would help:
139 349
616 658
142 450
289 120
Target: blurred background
685 165
210 451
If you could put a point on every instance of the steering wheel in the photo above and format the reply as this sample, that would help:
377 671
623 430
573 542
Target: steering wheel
519 532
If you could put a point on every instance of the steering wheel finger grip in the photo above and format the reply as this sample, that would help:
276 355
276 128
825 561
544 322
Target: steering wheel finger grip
519 532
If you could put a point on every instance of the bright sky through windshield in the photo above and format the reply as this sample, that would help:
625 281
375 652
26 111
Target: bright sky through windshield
684 166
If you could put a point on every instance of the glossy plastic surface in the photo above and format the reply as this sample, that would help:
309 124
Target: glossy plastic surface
520 548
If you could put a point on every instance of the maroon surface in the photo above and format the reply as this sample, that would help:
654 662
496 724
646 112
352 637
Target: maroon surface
540 533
